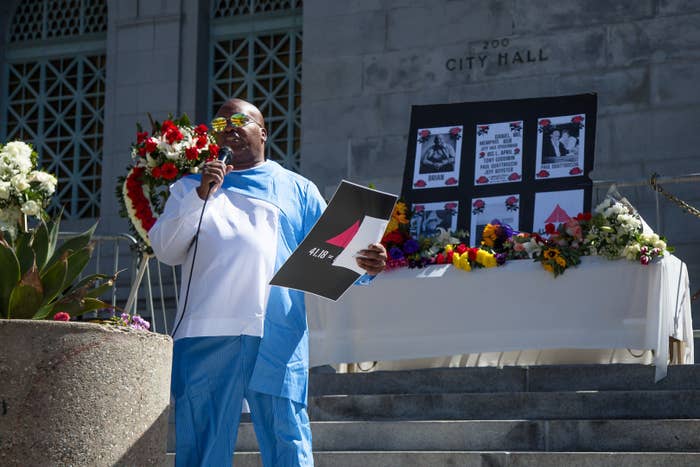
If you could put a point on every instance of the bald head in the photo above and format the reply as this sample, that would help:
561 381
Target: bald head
247 142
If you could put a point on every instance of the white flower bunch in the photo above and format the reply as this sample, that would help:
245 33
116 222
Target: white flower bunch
23 190
613 227
646 248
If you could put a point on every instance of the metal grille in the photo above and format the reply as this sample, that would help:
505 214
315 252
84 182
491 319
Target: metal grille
264 69
228 8
47 19
57 104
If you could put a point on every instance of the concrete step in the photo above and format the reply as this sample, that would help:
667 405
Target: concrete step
490 435
487 459
585 405
622 377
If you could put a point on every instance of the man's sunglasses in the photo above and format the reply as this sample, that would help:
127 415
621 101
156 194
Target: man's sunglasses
236 120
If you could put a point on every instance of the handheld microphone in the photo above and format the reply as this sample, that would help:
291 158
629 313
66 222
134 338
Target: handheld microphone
225 156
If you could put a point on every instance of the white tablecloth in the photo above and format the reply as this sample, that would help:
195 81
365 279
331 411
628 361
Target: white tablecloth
442 311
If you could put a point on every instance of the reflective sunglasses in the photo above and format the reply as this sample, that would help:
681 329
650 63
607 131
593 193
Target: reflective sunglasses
236 120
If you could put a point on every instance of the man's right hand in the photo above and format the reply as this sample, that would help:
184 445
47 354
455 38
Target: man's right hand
213 171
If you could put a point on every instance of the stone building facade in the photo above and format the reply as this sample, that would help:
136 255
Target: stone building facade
336 82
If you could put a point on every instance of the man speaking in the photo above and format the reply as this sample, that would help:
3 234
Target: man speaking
237 337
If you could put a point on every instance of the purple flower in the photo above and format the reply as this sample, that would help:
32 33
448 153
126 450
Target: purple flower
411 246
396 253
500 258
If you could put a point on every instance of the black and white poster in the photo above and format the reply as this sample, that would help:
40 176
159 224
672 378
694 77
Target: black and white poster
559 148
324 263
499 157
437 157
428 218
505 209
507 150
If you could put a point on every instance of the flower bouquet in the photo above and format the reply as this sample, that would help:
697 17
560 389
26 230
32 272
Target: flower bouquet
24 190
173 149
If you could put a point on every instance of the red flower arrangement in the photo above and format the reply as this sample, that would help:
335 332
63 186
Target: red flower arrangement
173 149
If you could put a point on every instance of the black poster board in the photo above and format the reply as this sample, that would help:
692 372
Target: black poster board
528 159
324 263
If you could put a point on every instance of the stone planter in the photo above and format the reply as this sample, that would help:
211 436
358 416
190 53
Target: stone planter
82 394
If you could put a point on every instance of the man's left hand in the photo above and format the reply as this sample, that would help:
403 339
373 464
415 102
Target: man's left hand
372 259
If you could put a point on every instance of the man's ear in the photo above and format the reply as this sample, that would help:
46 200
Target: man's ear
263 134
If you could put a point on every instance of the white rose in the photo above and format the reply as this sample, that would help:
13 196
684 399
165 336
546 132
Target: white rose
47 182
20 182
660 244
31 208
5 190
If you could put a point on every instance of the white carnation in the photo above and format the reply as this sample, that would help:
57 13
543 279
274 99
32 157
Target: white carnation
660 244
20 154
31 208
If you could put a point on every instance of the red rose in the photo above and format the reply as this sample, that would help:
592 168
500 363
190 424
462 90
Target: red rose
472 254
451 181
167 126
461 248
482 154
550 229
201 129
192 153
148 224
515 124
61 316
512 200
202 142
420 183
585 216
168 171
142 151
450 205
151 145
577 119
575 171
543 174
545 122
213 150
450 254
141 136
482 179
484 128
440 258
155 172
514 176
455 131
479 204
424 133
516 150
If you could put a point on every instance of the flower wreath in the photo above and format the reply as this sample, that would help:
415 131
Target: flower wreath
174 149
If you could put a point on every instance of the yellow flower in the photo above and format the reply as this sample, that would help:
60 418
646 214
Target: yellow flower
486 259
547 267
488 237
392 225
455 258
448 248
560 261
551 253
464 262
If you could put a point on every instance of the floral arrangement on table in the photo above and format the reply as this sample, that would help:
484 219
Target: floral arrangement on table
615 230
173 149
24 190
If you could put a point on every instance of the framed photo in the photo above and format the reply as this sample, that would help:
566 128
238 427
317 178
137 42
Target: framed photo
505 208
560 144
429 217
498 157
437 157
556 207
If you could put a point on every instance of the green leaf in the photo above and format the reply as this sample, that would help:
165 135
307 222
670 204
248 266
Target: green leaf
40 244
27 296
91 279
77 308
9 277
73 244
53 279
101 289
76 263
45 311
53 228
24 252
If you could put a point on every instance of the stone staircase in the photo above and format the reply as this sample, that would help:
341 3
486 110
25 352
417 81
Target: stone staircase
598 415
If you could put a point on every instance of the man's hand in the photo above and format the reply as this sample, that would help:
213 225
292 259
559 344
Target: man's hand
372 259
213 171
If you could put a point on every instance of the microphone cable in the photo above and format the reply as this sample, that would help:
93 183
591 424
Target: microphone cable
225 154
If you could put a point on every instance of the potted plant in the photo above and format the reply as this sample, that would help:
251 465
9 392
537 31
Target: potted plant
71 393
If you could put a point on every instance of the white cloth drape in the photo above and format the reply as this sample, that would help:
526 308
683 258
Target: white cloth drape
442 311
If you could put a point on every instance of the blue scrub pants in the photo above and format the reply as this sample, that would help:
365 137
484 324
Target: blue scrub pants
210 379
